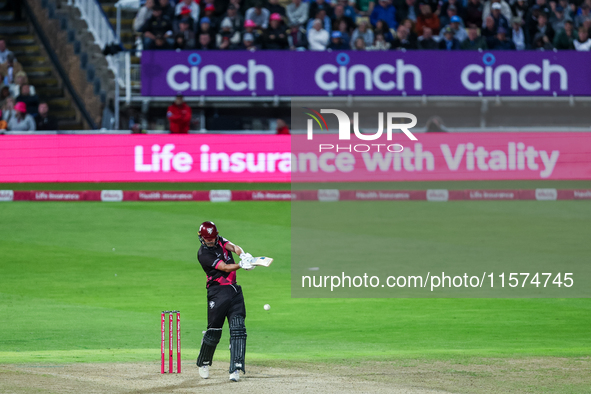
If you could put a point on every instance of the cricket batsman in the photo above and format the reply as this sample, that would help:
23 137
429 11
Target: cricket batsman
224 299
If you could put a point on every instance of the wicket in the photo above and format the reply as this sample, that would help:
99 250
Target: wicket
170 340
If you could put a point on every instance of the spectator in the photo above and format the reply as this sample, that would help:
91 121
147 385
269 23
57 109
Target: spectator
276 8
531 21
186 33
501 42
8 109
30 100
408 10
558 18
403 39
543 6
364 7
179 114
19 80
380 43
205 42
247 4
349 11
427 18
3 51
519 9
345 33
250 27
503 7
21 121
569 8
410 25
318 5
517 35
282 127
499 18
459 9
162 44
336 42
4 94
426 41
339 16
167 9
541 42
543 29
445 18
326 21
259 15
157 25
236 19
583 42
184 5
10 69
240 10
489 32
185 14
317 37
297 13
214 22
275 37
449 42
227 38
383 29
455 25
179 42
143 15
248 42
474 41
565 37
584 15
474 13
363 31
43 121
205 28
385 11
359 44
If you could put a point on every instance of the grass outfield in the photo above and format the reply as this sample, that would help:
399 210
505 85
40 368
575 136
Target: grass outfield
86 282
452 185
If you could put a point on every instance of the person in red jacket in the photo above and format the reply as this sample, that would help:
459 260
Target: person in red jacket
179 116
282 127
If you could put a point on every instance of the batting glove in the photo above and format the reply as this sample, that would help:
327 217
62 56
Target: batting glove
245 256
245 264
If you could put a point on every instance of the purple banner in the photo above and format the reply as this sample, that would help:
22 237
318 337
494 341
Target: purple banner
342 73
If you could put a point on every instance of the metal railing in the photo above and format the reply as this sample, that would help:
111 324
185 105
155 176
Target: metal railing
99 26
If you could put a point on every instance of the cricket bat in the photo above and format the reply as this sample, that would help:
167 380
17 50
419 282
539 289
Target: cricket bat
262 261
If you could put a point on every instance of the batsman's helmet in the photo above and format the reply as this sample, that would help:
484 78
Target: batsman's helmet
208 231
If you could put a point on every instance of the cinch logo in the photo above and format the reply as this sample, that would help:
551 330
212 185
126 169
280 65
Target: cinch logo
522 78
237 77
345 124
341 77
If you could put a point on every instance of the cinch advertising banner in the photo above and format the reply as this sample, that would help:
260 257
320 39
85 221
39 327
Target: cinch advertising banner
277 158
388 73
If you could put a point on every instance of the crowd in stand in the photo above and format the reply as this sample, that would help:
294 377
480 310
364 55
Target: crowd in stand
20 107
365 25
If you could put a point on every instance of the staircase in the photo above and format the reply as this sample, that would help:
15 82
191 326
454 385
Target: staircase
21 40
128 36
